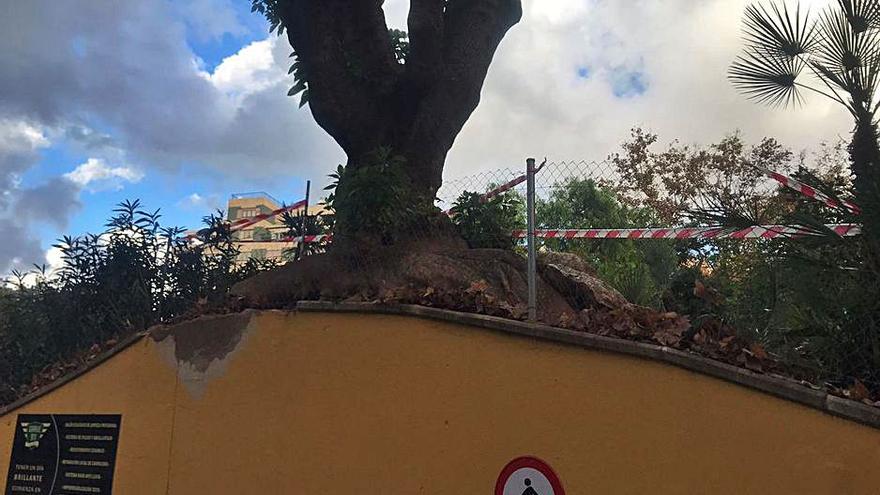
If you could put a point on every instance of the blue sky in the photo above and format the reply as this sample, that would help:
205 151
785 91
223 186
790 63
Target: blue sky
182 103
184 192
188 190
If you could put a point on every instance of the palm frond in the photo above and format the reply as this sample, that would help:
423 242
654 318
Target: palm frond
767 78
778 31
841 48
847 57
830 76
866 79
862 15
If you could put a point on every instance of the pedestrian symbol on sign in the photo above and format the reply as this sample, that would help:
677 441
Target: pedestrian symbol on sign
528 476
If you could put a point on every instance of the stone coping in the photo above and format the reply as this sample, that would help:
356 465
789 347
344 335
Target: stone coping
779 386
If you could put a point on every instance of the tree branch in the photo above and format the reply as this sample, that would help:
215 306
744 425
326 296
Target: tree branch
349 65
472 31
425 23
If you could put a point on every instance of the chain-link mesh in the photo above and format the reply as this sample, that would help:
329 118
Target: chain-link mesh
552 175
481 182
785 288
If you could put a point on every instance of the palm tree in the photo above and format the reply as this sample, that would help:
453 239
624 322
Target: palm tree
840 48
834 53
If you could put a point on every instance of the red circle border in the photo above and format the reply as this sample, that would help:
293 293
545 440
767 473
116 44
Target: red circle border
529 462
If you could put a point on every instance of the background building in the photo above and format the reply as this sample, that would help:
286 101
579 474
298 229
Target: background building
261 240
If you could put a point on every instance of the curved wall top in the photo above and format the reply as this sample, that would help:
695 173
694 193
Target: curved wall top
322 401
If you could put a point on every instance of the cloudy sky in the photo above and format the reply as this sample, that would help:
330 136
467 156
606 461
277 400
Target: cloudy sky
180 103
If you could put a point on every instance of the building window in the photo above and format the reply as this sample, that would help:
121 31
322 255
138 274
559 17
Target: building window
262 234
248 213
245 235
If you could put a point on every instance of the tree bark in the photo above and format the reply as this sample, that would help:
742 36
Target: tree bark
365 100
865 156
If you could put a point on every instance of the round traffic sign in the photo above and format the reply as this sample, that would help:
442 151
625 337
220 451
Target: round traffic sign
528 476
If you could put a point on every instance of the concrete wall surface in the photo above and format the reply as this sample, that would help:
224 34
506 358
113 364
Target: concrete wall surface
332 403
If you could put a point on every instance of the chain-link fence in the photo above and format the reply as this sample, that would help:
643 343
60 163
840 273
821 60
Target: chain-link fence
551 175
749 253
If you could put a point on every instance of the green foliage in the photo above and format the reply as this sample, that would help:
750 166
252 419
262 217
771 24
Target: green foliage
840 48
304 225
300 80
269 8
399 44
640 271
489 223
132 276
375 199
813 301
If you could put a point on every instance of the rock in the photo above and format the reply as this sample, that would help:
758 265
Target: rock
570 260
581 289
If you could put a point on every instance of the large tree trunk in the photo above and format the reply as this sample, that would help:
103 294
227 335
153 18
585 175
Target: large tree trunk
367 101
865 155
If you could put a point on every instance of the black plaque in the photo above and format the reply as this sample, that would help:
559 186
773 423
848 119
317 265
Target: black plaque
63 454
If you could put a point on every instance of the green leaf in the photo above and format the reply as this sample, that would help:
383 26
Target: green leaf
294 90
767 78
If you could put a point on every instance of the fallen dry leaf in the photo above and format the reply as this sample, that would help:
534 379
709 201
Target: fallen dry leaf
705 293
758 351
477 287
858 391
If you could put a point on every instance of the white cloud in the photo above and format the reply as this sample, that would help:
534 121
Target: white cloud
53 262
534 103
54 259
252 69
96 170
21 136
196 201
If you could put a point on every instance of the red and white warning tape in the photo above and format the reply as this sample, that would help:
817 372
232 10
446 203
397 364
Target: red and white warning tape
503 188
308 239
243 223
811 192
495 192
759 232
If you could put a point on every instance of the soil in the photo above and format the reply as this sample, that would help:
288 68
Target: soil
449 275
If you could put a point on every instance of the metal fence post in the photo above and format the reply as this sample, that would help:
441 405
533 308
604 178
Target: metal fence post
532 265
300 245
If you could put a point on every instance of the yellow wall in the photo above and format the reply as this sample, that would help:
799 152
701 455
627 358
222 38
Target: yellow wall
313 403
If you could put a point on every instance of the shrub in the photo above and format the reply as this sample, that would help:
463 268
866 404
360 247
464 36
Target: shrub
132 276
489 223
